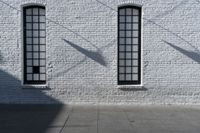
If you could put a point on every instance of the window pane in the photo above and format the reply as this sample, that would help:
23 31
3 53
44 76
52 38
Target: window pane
35 40
122 12
128 26
29 76
122 33
128 48
35 11
28 18
122 26
35 18
135 69
42 55
135 12
42 33
42 62
135 47
135 77
29 54
35 62
42 76
135 26
42 40
29 48
128 62
122 62
128 55
42 26
121 19
122 41
42 19
128 34
135 19
128 11
135 55
128 69
135 40
35 55
28 40
35 76
128 76
128 40
35 26
135 33
122 77
135 62
42 69
29 33
121 55
121 69
35 34
29 62
42 47
29 70
29 12
28 26
35 48
128 19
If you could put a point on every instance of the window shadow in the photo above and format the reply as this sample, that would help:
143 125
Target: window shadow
27 118
195 56
94 55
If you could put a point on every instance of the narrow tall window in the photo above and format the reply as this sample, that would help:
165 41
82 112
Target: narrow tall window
129 45
34 45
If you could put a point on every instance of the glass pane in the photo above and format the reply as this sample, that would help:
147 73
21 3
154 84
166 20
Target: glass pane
42 69
135 18
135 47
128 18
121 19
29 33
121 55
42 55
28 26
121 48
42 62
42 47
28 18
128 76
121 77
35 11
122 26
35 48
35 40
135 62
29 70
28 11
128 62
42 11
128 69
28 47
29 55
135 26
28 40
42 19
42 33
35 55
29 62
29 77
128 48
35 34
128 34
35 26
134 77
122 62
42 26
135 69
128 11
35 62
121 69
35 76
128 55
42 40
35 18
128 40
135 40
135 12
122 41
135 55
128 26
42 76
135 33
122 12
122 33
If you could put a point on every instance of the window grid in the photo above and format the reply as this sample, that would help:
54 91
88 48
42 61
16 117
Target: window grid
34 45
129 45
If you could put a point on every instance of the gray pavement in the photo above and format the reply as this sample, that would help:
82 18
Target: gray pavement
99 119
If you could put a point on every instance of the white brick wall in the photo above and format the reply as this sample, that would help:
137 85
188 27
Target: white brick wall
171 54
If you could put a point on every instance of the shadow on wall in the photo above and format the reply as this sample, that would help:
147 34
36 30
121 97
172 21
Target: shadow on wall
193 55
25 118
96 56
1 58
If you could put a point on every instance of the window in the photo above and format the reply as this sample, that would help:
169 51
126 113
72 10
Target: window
34 37
129 45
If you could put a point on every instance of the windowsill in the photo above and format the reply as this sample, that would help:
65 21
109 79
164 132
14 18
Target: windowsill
41 87
131 87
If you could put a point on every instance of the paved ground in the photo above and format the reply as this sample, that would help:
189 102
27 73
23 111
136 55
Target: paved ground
99 119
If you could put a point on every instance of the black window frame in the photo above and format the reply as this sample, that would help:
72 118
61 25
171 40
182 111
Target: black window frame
130 82
25 81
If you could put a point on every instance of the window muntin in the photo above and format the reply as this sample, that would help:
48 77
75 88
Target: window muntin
34 34
129 45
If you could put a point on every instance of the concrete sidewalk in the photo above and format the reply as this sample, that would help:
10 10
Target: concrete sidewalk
99 119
